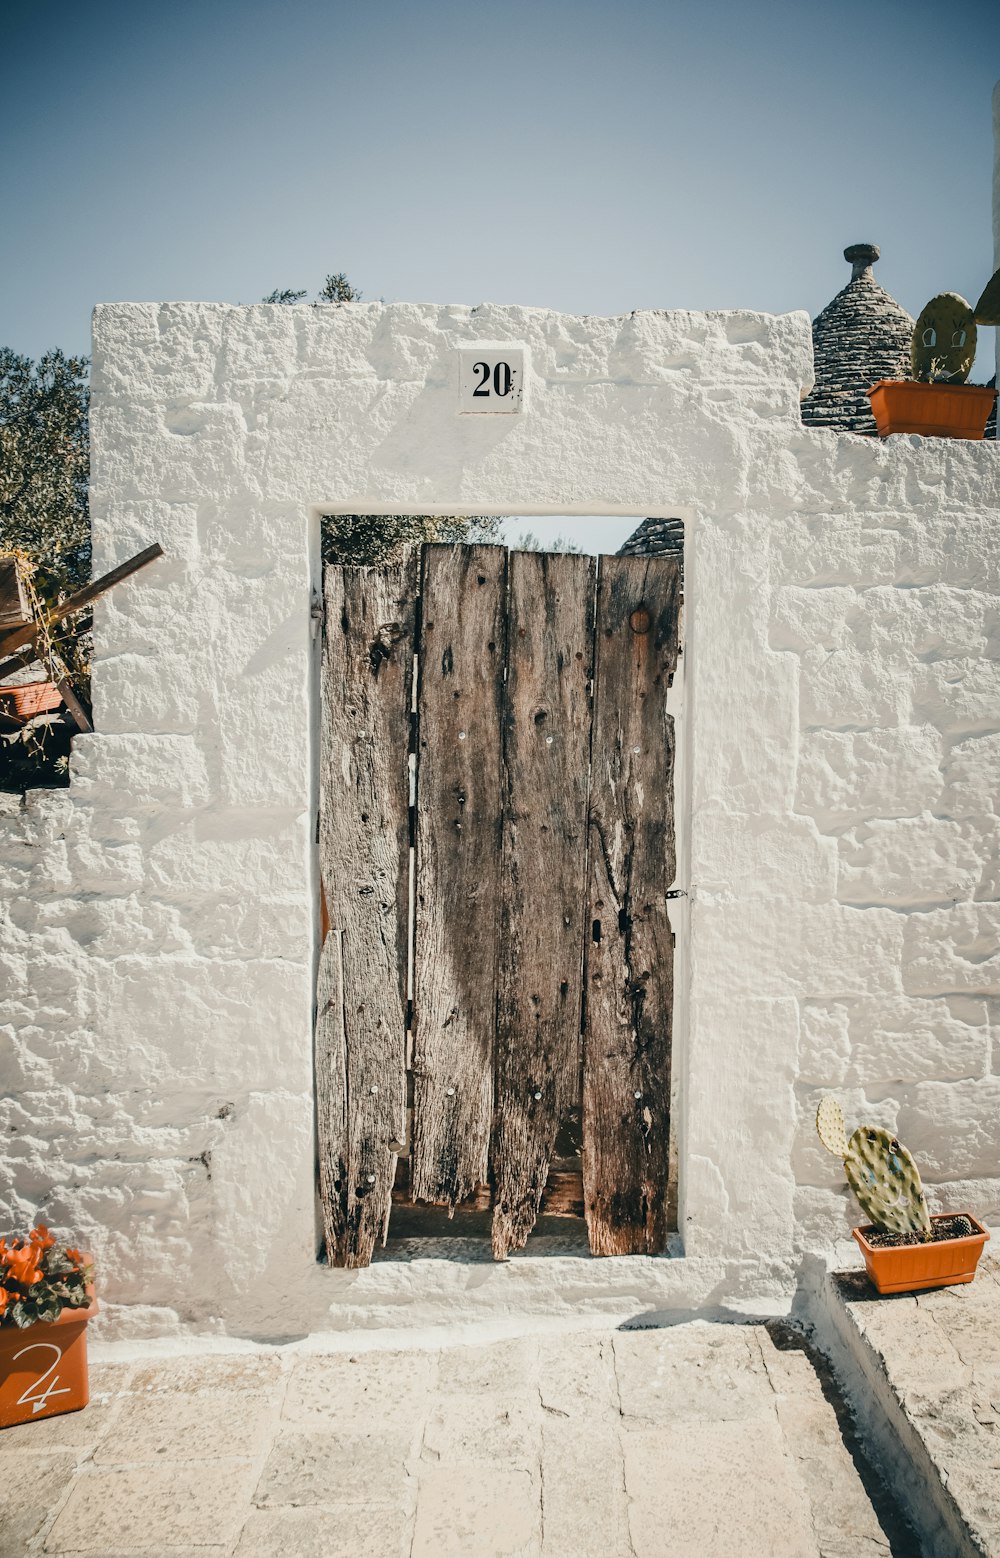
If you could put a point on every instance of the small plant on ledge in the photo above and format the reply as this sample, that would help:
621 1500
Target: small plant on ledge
904 1247
46 1300
937 402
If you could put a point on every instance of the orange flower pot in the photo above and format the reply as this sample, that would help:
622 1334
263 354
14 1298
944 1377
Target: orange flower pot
932 410
43 1368
905 1268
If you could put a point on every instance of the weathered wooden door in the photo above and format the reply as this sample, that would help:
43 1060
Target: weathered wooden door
495 725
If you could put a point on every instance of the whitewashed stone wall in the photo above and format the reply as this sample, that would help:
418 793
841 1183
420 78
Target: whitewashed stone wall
842 731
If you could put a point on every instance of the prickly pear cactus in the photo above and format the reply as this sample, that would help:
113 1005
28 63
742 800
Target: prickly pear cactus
830 1126
880 1171
944 340
988 307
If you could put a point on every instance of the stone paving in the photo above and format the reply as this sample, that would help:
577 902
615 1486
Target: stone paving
697 1441
934 1365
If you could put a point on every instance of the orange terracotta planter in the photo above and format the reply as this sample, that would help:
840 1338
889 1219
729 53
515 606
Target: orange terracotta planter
932 410
29 699
906 1268
43 1368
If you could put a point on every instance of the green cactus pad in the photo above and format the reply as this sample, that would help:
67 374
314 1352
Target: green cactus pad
886 1181
830 1126
944 340
988 307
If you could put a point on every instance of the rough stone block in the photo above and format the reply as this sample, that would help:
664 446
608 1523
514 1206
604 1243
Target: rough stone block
913 861
576 1376
691 1374
961 697
745 856
825 1044
185 1505
950 1127
177 1426
584 1491
30 1484
805 950
903 1039
379 1389
846 775
675 1511
225 850
932 624
969 774
342 1466
842 689
337 1531
752 691
804 619
140 770
483 1368
953 950
732 1193
824 1216
480 1429
185 1022
981 1197
463 1510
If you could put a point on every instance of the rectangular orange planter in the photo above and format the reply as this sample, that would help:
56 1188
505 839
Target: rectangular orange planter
932 410
43 1368
30 698
905 1268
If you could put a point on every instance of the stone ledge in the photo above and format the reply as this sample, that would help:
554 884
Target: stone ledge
922 1373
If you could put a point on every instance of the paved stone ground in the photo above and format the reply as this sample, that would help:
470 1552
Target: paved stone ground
696 1441
939 1355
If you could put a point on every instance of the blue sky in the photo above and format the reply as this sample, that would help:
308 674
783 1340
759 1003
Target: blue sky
592 158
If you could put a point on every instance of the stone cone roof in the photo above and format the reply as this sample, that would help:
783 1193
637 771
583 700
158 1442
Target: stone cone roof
656 538
859 338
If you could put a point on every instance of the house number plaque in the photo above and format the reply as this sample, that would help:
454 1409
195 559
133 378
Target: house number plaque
491 379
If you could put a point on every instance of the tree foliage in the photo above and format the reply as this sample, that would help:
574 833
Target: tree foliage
44 466
369 539
335 289
528 541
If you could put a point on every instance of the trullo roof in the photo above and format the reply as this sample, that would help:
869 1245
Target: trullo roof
862 336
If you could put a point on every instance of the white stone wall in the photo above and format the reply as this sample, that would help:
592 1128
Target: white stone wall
842 728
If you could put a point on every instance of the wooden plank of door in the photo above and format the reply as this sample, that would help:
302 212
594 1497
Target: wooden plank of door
550 626
367 683
460 692
629 957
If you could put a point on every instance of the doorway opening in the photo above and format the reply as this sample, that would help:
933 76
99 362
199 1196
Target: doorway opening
498 856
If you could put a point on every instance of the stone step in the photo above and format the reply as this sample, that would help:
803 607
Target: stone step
922 1374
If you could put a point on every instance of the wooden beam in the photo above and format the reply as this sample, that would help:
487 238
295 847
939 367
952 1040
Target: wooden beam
10 641
458 836
550 636
14 608
629 959
360 1057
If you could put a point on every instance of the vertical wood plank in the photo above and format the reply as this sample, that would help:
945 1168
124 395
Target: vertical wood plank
458 833
629 963
364 853
550 629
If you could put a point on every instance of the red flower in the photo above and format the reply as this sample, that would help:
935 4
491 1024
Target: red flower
41 1238
21 1265
4 1295
75 1257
